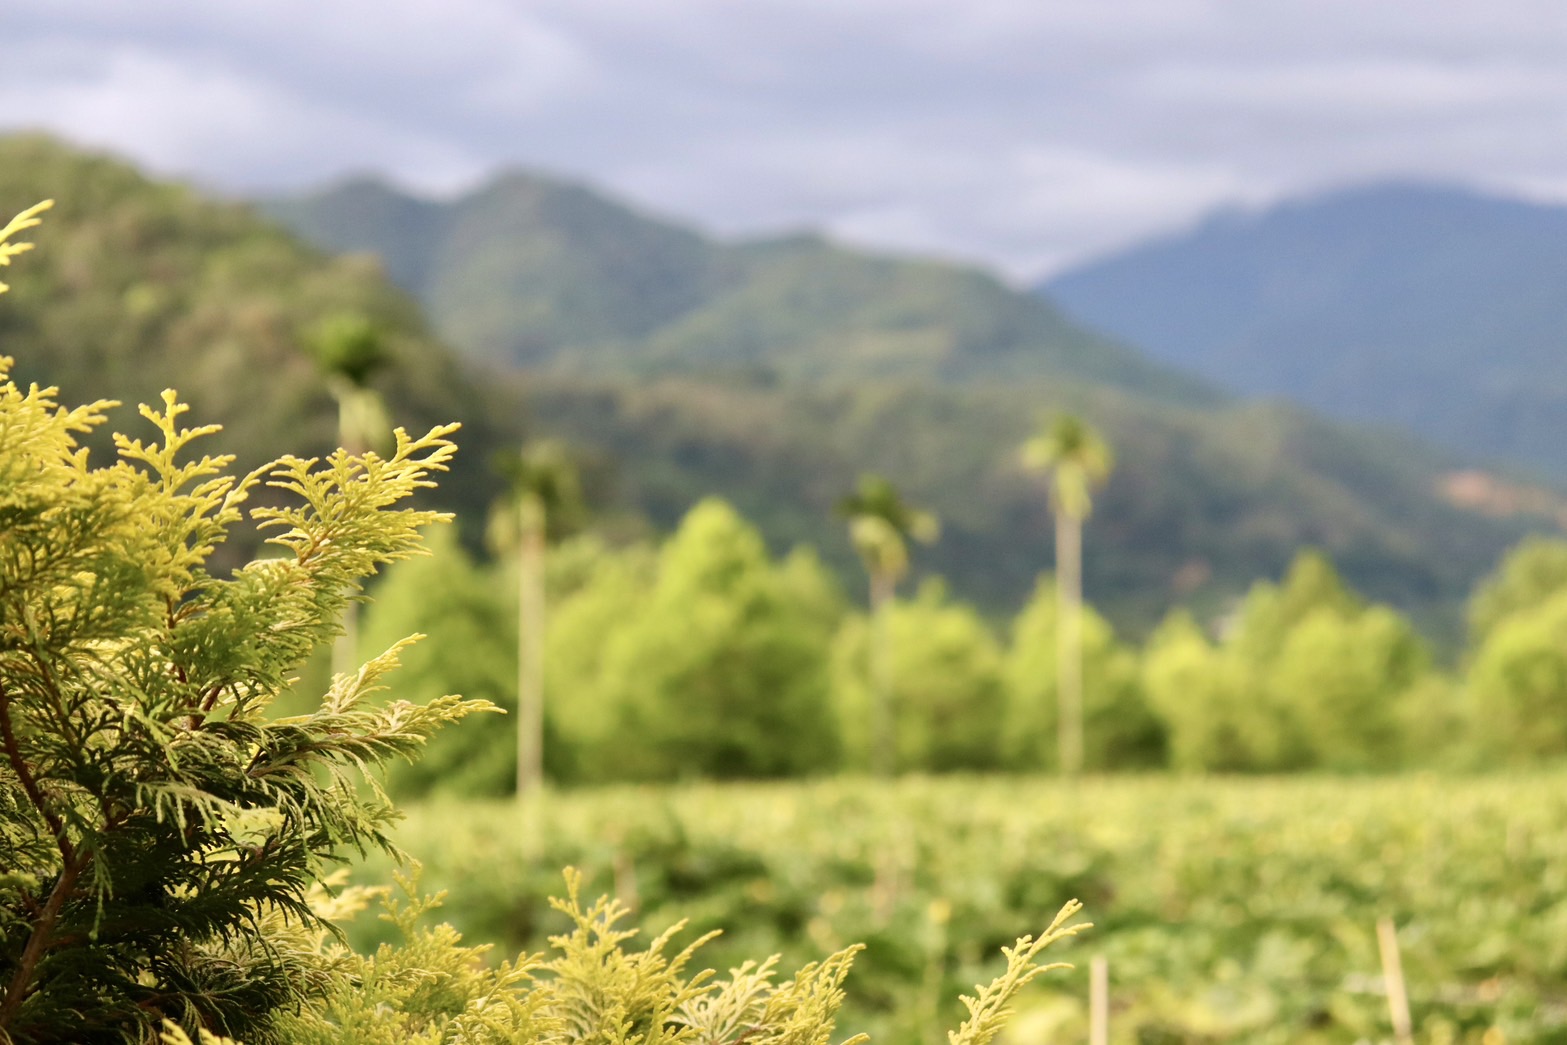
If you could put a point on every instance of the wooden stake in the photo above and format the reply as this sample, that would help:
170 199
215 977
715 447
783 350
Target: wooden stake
1393 977
1099 1001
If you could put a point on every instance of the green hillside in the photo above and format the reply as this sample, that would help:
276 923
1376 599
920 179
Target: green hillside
1436 309
1202 503
136 286
546 274
774 372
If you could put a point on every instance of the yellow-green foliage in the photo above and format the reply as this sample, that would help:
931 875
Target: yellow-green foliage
166 841
714 665
592 989
945 699
1230 910
1119 730
152 814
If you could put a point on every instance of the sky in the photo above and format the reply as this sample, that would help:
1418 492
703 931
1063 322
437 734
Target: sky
1025 135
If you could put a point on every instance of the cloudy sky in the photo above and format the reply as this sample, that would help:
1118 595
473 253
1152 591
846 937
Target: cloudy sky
1024 134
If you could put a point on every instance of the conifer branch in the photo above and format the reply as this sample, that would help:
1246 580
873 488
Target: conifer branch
38 941
13 754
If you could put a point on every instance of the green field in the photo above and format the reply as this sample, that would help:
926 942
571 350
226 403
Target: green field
1229 909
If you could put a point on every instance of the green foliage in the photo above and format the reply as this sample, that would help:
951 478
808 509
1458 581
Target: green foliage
543 492
1204 502
429 987
1228 909
140 286
1309 676
1518 684
347 346
1119 730
1207 701
880 526
545 274
157 818
714 665
989 1007
1529 575
1345 676
469 648
1078 459
945 686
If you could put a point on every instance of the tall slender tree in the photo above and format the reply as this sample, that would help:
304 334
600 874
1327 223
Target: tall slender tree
1078 460
544 498
350 350
881 523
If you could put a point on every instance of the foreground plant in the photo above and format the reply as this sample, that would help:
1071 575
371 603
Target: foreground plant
150 812
594 988
163 842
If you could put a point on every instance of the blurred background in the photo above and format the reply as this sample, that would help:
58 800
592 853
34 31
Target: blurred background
1125 437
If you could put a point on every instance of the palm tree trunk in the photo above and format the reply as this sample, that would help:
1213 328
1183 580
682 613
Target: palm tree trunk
345 651
530 659
1069 642
883 738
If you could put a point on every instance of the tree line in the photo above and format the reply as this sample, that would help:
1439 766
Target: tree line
706 656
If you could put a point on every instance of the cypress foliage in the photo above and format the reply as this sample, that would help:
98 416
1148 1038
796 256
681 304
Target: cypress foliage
164 842
152 818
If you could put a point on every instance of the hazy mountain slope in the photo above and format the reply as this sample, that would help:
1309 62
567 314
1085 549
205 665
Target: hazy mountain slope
546 274
1202 503
773 372
136 286
1434 309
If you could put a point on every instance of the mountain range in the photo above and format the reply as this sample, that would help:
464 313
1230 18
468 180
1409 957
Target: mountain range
1433 308
774 370
772 373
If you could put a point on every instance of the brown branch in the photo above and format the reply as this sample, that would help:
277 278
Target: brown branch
39 941
13 752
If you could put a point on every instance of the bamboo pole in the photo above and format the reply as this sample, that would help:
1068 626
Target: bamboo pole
1099 1001
1393 977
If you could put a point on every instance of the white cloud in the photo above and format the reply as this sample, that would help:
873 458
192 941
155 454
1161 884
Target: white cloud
1360 90
1023 132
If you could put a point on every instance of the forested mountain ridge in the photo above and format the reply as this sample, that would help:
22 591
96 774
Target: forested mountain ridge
546 274
1436 309
138 285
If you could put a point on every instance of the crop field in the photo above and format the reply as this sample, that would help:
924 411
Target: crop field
1231 909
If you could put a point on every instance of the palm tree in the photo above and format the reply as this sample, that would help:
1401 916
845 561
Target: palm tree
1078 460
349 350
880 525
544 497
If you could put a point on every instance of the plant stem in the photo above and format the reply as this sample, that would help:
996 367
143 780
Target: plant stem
13 753
38 940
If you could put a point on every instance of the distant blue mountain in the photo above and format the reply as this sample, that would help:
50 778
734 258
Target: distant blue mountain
1438 309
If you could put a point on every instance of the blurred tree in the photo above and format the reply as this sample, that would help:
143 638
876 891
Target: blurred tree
1270 612
1208 701
1518 684
1078 460
1307 675
544 499
881 523
349 350
463 612
714 666
944 681
1528 576
1121 732
1344 675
